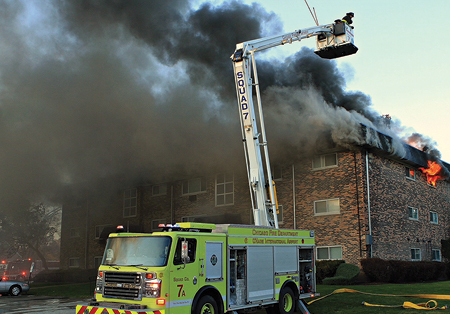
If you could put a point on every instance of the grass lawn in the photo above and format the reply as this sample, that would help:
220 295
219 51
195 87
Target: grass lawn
352 302
73 290
337 303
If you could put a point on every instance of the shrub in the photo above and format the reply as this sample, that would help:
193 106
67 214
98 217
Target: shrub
346 274
378 270
66 275
326 269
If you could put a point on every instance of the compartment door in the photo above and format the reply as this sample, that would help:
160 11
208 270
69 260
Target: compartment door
214 261
260 273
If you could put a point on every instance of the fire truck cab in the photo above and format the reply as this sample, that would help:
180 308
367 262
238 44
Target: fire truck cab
205 268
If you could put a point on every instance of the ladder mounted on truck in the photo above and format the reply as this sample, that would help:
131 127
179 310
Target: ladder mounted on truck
333 41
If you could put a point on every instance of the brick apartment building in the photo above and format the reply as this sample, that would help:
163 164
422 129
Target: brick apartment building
361 202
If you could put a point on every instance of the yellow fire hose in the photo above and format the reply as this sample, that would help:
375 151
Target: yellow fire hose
430 305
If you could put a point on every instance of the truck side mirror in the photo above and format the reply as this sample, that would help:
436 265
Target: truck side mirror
185 251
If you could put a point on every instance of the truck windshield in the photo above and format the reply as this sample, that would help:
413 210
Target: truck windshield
137 251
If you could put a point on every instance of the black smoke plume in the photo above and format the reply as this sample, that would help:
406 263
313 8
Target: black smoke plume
138 89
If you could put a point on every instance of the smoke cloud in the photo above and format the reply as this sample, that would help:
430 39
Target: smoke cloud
137 89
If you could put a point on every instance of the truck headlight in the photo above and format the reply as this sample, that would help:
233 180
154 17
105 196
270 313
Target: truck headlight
153 288
99 283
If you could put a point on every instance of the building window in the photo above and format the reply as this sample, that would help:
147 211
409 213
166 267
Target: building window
433 217
415 255
436 255
280 214
277 172
329 252
325 161
410 173
74 262
156 223
160 189
224 189
74 232
97 261
191 218
130 203
413 213
327 207
99 230
194 186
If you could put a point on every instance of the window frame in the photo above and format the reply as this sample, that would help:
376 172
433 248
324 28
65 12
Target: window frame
277 172
225 193
327 202
77 259
323 162
415 254
97 227
189 183
328 247
432 255
128 209
188 218
408 173
280 214
434 214
411 210
162 187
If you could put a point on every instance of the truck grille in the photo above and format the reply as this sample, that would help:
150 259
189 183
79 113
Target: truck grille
122 285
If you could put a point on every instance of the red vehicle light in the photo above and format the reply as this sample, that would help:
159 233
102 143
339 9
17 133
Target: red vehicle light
24 273
155 285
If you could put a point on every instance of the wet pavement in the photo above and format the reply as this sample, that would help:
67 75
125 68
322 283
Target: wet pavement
39 304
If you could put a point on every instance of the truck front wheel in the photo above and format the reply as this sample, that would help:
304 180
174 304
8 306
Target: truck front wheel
207 305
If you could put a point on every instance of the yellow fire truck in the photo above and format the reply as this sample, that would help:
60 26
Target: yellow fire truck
193 268
204 268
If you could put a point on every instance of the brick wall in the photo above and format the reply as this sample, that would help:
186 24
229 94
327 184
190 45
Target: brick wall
394 234
391 193
343 182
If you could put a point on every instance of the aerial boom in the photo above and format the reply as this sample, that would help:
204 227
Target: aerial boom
333 40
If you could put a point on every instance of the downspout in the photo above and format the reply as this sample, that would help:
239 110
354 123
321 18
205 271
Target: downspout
293 196
369 240
358 206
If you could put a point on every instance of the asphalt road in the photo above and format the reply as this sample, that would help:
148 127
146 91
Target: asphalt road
38 304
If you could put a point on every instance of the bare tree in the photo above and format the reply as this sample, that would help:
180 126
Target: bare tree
32 228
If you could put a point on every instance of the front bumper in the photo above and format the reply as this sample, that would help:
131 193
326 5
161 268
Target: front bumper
89 309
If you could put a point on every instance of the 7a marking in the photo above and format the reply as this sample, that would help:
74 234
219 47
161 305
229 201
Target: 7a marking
181 292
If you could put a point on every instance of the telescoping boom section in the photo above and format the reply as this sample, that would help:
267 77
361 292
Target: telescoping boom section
333 41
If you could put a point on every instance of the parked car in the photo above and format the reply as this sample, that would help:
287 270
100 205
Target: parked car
12 287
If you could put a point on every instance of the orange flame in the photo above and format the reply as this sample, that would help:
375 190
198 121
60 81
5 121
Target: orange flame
433 172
